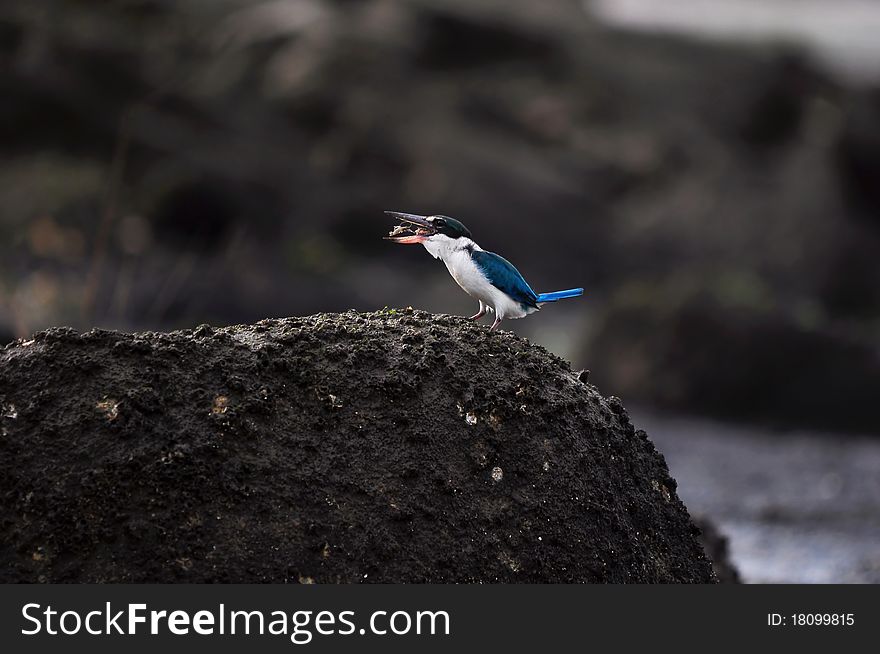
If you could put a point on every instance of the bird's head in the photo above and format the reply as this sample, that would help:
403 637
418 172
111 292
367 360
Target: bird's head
425 229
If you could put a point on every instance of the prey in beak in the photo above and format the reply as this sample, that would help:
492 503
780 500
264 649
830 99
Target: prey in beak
412 229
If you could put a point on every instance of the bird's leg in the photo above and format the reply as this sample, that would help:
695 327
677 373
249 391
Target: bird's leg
496 323
479 314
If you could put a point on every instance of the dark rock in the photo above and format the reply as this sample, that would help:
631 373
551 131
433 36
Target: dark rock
777 114
858 157
738 364
452 41
199 459
716 545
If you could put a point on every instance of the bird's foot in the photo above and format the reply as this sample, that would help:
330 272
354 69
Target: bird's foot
495 325
478 315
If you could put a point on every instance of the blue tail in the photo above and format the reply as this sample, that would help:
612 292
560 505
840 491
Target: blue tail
560 295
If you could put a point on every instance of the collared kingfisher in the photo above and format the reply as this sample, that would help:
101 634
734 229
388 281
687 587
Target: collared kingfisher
485 276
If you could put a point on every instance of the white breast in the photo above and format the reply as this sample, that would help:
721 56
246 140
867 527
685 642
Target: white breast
455 253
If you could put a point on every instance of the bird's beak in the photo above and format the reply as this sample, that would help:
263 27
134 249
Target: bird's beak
413 230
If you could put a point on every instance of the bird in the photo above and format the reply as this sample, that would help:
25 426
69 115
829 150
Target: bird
487 277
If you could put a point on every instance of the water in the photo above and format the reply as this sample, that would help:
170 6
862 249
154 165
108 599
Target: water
796 507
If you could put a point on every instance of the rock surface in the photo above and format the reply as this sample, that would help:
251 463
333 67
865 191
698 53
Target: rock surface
387 447
717 547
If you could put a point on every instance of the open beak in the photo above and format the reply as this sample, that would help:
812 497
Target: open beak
412 230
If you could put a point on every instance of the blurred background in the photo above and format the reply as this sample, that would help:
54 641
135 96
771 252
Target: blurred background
709 170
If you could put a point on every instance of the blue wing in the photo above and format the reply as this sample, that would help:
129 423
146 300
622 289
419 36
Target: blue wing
503 276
